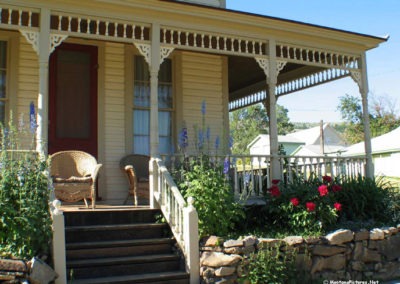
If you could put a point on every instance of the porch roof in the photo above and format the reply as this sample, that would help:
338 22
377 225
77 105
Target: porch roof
311 54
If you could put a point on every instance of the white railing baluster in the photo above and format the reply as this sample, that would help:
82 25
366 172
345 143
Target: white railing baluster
9 16
69 23
19 17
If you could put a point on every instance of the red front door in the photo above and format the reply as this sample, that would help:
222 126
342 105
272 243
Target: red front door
73 99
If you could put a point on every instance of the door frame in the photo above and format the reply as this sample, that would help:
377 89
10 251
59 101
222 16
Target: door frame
93 147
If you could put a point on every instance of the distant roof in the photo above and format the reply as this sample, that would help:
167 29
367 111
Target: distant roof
315 150
309 136
281 139
386 143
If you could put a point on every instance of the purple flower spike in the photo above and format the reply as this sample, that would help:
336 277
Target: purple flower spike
226 165
217 143
230 141
183 138
200 138
208 134
32 117
203 107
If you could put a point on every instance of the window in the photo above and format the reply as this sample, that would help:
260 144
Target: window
141 107
3 80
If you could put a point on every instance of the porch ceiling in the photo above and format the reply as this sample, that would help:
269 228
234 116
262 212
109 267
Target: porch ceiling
246 77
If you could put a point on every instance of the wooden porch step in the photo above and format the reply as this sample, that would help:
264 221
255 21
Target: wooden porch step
122 246
115 232
118 248
177 277
118 243
105 267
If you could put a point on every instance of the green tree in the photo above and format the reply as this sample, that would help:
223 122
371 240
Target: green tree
382 116
247 123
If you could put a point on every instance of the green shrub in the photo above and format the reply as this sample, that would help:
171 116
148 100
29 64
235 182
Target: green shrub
304 207
368 200
270 266
205 182
25 224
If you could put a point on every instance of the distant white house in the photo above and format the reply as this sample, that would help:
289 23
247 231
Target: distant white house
302 143
385 153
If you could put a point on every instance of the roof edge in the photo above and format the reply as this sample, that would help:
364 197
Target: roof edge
379 38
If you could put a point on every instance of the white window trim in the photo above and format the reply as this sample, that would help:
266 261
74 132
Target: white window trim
130 54
12 39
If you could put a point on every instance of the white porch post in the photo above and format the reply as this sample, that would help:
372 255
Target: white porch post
272 79
364 89
154 138
154 68
43 96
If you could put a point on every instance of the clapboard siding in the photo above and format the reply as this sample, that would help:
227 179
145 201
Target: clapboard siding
202 81
27 85
114 118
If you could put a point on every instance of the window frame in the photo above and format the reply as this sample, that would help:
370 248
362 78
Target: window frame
131 52
11 38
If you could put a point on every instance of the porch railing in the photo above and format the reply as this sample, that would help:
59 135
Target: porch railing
180 215
250 174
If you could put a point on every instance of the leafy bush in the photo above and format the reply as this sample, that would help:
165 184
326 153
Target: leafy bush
25 224
271 266
206 183
304 206
369 200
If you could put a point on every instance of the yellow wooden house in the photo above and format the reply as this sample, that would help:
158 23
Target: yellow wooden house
114 77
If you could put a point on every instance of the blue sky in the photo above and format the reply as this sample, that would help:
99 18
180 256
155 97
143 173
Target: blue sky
372 17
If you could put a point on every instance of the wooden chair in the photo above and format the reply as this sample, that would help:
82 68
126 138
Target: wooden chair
136 170
74 175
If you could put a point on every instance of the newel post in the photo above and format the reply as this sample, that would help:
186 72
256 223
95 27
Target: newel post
191 238
59 256
154 190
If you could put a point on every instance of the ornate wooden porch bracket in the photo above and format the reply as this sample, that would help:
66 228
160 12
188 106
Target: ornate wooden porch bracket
32 37
145 50
356 76
56 40
264 64
280 64
165 51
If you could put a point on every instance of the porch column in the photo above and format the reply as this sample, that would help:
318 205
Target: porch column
154 69
272 79
154 136
43 96
364 90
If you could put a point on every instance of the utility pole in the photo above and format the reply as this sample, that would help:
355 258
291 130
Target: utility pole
322 140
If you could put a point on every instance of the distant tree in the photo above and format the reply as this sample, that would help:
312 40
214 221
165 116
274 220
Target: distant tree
247 123
284 124
382 116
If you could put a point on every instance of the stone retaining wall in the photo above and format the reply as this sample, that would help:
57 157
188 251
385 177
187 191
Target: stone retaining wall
341 255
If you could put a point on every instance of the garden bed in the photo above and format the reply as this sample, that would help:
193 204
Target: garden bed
340 255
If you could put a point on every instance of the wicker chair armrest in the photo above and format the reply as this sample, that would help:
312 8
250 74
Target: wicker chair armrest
95 172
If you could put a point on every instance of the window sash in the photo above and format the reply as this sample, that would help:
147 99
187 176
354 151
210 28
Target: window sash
141 107
3 79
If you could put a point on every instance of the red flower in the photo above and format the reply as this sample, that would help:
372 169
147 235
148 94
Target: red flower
336 188
310 206
337 206
294 201
326 179
275 191
323 190
276 181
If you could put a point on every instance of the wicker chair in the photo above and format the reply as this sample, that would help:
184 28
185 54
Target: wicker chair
74 175
136 169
